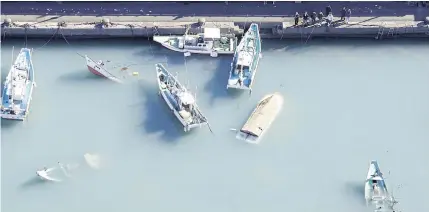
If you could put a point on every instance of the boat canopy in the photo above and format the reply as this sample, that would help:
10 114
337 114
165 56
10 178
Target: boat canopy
186 98
244 58
213 33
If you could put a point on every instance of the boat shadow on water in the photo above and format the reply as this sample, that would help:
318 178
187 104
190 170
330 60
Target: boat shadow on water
5 124
81 75
33 182
158 118
216 86
356 190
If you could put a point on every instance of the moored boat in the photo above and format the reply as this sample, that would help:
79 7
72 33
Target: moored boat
100 69
246 60
261 118
181 102
18 87
212 42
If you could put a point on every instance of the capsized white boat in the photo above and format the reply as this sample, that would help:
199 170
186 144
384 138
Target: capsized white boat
18 87
376 189
61 172
261 118
181 102
212 42
246 60
100 69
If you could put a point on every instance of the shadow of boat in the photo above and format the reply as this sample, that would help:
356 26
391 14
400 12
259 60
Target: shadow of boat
33 182
216 86
81 76
356 190
6 124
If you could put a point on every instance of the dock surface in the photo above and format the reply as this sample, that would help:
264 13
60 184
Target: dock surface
145 19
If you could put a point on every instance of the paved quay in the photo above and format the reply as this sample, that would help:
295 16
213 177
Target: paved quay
143 19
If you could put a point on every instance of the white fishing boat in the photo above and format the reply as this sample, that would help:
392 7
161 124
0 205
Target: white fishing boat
181 102
18 87
212 42
246 60
62 172
101 68
375 185
261 118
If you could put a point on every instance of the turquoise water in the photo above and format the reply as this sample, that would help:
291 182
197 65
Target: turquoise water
346 103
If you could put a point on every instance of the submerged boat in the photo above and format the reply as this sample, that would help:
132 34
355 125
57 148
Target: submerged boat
261 118
18 87
375 186
181 102
100 69
210 42
246 60
62 172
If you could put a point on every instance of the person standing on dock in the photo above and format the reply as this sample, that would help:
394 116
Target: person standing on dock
313 17
343 14
320 16
296 18
328 10
348 14
305 18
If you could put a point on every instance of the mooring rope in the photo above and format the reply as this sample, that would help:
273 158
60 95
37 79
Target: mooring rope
56 32
64 37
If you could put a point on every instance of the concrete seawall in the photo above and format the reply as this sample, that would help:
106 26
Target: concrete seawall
79 27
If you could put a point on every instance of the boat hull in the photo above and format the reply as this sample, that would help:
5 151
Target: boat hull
164 94
261 119
99 70
233 79
29 87
162 40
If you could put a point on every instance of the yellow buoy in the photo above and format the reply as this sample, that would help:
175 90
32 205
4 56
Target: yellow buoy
135 73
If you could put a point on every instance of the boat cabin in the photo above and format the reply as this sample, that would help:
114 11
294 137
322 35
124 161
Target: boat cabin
203 40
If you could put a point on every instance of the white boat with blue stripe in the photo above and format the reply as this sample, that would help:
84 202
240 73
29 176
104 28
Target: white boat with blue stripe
18 87
181 102
246 60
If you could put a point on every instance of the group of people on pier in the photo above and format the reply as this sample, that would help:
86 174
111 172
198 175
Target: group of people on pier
314 17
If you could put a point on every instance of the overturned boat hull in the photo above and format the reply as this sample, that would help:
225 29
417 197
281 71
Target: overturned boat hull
246 60
187 121
100 70
9 108
261 118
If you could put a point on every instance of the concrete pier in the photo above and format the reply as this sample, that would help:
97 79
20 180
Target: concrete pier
404 20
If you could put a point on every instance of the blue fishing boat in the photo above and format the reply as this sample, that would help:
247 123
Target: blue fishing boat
246 60
180 101
18 87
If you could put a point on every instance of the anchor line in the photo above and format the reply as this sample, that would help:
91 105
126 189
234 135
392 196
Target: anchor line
64 37
154 31
25 42
56 32
309 36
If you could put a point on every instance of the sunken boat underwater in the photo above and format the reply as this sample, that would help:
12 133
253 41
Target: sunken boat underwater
261 118
211 41
101 69
18 87
246 60
180 101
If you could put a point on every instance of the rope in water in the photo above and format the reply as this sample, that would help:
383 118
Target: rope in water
56 32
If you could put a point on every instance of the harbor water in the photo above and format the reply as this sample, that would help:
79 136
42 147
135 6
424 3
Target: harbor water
346 102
